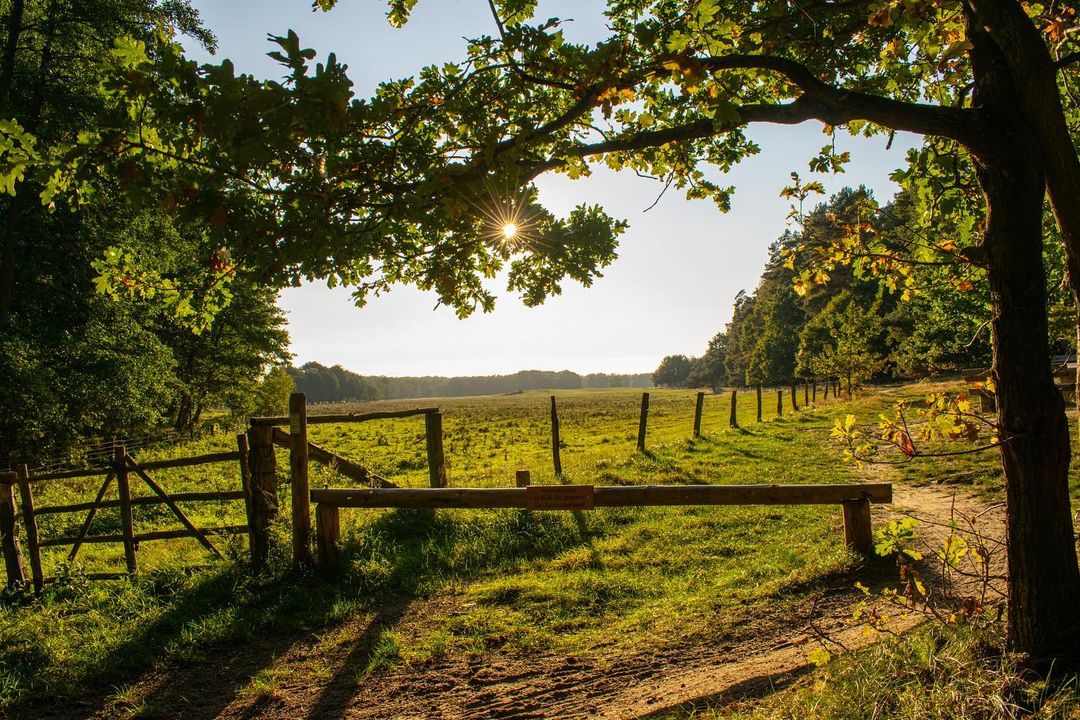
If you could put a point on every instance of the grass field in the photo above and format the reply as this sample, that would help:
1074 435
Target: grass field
610 580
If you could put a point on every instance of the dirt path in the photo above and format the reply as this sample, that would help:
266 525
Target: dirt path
318 677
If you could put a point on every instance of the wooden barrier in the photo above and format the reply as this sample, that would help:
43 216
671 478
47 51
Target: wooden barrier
643 422
33 542
298 470
556 456
264 500
348 418
433 433
733 420
855 499
9 531
698 407
522 478
759 402
126 522
779 403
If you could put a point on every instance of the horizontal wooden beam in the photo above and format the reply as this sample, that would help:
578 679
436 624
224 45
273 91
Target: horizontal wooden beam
344 466
230 456
609 496
351 417
156 535
146 500
152 465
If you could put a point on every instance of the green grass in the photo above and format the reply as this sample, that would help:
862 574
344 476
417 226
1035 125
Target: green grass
930 674
610 580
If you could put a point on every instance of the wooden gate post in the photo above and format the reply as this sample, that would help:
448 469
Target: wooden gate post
262 462
555 441
794 398
245 485
298 471
26 500
327 533
9 531
697 414
779 403
759 402
522 478
643 422
436 461
124 491
733 420
858 532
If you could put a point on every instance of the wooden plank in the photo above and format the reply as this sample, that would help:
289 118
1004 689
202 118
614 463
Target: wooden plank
610 496
559 497
643 422
264 500
126 524
214 496
699 405
9 531
175 508
147 536
85 529
70 474
858 532
779 403
433 432
351 417
327 533
245 487
231 456
298 472
522 478
26 499
344 466
555 439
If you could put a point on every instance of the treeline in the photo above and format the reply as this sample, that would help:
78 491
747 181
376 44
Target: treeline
859 321
336 384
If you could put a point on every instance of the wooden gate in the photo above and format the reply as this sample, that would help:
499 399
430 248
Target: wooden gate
121 470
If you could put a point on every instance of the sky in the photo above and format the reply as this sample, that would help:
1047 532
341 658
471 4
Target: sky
680 264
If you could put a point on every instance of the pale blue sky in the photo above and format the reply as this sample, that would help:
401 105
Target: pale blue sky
680 264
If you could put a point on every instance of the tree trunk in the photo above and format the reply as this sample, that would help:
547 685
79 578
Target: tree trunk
1044 581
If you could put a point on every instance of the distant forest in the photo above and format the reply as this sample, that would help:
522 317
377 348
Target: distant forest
336 384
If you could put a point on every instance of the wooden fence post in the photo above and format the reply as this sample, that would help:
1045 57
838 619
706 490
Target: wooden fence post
436 462
697 414
779 403
825 396
298 472
26 500
124 491
522 478
814 396
643 421
262 463
9 531
733 420
794 398
759 402
805 393
555 441
858 532
245 485
327 533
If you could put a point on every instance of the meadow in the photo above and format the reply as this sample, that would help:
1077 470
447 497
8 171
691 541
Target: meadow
605 581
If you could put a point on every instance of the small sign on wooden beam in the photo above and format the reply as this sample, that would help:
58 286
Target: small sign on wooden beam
559 497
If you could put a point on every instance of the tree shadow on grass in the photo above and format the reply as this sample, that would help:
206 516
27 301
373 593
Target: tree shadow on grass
217 634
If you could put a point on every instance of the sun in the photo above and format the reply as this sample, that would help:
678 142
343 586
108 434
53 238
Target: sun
509 231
